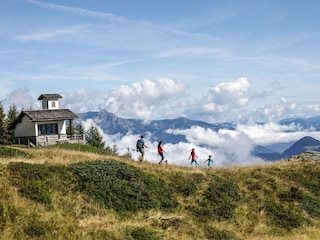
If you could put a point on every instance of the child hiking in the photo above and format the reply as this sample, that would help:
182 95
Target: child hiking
140 148
161 152
210 161
193 156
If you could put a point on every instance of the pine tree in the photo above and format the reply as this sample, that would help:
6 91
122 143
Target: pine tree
11 117
94 138
4 135
79 128
69 130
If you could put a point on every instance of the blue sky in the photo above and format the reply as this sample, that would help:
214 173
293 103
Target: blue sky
206 60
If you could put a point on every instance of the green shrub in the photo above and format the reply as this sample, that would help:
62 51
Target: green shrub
141 233
294 194
101 234
185 184
311 179
8 152
13 213
201 213
173 223
36 228
306 202
2 218
122 187
258 181
311 206
38 191
283 217
217 234
27 171
36 181
307 177
220 199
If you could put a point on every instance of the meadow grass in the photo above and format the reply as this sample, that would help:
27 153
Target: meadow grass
58 193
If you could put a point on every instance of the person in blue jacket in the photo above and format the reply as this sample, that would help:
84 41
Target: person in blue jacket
210 161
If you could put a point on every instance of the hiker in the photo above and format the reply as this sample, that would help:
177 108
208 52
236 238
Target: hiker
193 156
161 152
140 147
210 161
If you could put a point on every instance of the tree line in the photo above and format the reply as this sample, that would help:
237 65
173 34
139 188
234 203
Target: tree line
6 135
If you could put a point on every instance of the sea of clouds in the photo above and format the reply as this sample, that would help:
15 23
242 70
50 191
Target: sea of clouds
227 147
166 98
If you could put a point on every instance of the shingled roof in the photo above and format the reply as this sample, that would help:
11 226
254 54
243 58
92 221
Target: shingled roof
51 96
45 115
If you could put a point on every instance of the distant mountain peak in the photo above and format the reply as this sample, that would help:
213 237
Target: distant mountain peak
304 144
112 124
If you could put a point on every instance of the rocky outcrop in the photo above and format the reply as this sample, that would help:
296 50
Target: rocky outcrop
307 155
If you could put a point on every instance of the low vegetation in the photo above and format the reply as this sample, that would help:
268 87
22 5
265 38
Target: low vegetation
72 193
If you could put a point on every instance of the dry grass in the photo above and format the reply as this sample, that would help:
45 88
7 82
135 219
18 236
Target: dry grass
78 217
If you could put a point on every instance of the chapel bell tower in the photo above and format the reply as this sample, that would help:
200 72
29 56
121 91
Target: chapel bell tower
50 101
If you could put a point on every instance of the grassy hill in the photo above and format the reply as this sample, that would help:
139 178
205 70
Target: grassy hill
58 193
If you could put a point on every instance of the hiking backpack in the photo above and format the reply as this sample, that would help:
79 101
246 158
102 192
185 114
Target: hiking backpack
139 144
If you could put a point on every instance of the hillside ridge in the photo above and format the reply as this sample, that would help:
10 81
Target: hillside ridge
57 193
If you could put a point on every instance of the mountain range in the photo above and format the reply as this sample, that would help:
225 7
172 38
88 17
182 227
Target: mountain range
304 144
111 124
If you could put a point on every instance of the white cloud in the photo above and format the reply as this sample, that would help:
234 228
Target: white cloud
167 98
145 99
226 96
228 147
281 109
271 133
81 100
21 98
227 100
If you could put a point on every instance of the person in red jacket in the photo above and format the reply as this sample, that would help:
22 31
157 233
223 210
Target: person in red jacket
193 156
161 152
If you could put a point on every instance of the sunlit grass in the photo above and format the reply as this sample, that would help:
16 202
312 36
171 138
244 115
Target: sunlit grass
76 215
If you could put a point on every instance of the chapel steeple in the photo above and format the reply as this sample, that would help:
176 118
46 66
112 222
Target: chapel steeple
50 101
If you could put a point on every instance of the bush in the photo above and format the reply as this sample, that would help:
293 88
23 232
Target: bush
102 234
2 218
217 234
283 217
186 185
38 191
140 233
294 194
307 177
36 228
7 152
311 206
306 202
122 187
36 181
220 199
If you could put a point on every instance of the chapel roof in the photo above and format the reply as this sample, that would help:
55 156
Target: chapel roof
51 96
45 115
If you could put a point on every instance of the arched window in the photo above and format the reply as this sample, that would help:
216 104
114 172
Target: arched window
53 104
